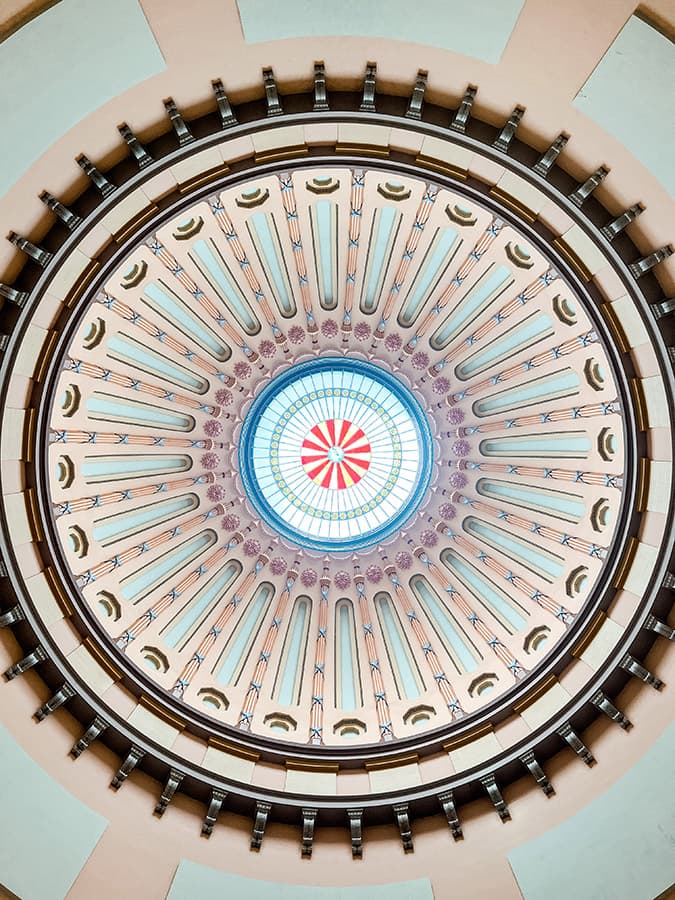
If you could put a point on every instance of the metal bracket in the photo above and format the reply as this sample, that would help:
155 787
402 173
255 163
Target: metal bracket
183 133
506 135
274 107
546 162
69 219
262 811
170 788
530 762
227 116
369 80
36 656
139 152
584 191
403 822
639 268
98 179
356 831
308 823
320 90
414 110
461 117
212 813
447 801
605 705
575 742
617 225
489 782
42 257
97 727
134 756
64 693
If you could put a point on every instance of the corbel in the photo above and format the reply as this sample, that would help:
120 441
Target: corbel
639 268
134 756
274 107
447 801
546 162
170 788
657 626
64 693
530 762
41 256
227 116
356 831
602 702
461 117
212 813
262 811
369 81
489 782
138 151
308 823
178 123
18 298
36 656
617 225
506 135
584 191
575 742
660 310
403 821
320 90
97 178
14 613
97 727
414 110
630 664
67 216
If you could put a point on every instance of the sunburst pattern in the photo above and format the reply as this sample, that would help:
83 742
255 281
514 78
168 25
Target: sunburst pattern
241 614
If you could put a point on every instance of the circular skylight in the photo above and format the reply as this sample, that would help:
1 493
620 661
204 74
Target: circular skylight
335 454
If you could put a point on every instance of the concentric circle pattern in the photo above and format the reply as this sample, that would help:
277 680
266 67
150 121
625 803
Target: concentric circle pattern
386 475
336 454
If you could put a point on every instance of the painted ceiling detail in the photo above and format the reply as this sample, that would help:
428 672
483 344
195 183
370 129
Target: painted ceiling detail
342 408
346 464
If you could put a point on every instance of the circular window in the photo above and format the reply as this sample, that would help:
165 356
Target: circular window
335 454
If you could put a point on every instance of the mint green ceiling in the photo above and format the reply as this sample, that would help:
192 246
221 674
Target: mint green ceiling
46 834
193 880
480 28
62 66
620 847
630 94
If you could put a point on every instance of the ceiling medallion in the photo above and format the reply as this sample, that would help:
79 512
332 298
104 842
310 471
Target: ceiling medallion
335 454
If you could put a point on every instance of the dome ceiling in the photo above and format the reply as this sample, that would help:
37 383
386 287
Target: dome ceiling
336 459
336 395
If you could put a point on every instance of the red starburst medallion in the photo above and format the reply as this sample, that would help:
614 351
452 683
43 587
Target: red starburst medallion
336 454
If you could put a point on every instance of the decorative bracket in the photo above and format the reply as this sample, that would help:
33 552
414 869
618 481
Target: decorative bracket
69 219
320 90
403 822
170 788
41 256
183 133
369 80
36 656
605 705
660 310
227 116
98 179
630 664
414 110
506 135
19 298
274 107
212 813
489 782
461 117
14 613
584 191
617 225
447 801
575 742
262 811
654 624
134 756
139 152
356 831
308 823
64 693
546 162
639 268
97 727
536 771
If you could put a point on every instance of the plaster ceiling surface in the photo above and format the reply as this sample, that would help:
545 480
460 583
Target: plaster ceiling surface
336 451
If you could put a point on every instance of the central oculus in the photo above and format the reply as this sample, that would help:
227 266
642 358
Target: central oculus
335 454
